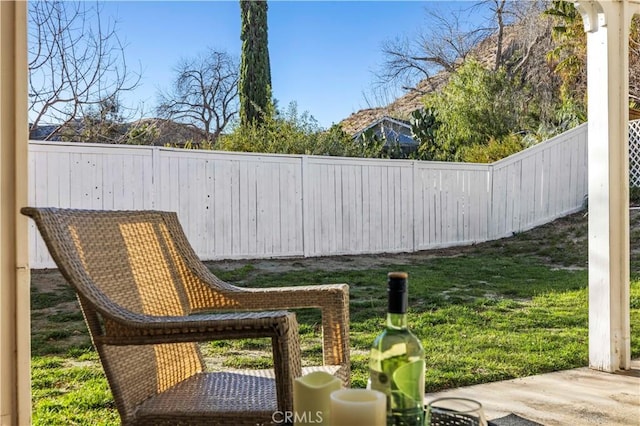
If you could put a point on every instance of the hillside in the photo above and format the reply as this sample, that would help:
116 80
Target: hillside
531 38
401 108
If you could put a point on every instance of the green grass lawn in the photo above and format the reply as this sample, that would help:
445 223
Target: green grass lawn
494 311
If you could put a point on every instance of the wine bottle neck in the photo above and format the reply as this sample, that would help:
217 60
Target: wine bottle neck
396 321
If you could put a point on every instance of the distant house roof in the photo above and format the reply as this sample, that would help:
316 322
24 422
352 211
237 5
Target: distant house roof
42 131
393 129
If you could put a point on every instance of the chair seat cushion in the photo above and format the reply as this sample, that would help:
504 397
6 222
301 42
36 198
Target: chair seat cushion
206 397
218 398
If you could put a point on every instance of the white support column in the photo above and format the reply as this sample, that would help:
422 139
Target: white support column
607 26
15 392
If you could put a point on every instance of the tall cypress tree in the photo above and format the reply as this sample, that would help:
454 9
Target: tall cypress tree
255 71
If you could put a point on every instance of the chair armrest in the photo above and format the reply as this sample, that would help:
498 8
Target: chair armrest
139 329
331 299
207 292
294 297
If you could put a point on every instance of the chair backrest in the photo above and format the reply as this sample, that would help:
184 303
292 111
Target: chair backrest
130 258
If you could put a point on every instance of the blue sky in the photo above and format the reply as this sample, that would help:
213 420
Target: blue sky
323 53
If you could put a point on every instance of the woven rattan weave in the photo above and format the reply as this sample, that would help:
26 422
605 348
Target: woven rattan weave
148 299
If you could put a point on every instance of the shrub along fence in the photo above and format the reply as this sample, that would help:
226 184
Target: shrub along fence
238 205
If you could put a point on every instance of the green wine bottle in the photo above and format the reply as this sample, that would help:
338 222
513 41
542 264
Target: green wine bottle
396 366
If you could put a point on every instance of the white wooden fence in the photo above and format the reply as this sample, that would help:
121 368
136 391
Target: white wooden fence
235 205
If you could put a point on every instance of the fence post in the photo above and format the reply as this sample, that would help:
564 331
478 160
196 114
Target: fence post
414 206
155 178
490 222
306 227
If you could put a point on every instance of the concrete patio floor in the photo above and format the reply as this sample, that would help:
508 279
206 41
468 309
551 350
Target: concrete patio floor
572 397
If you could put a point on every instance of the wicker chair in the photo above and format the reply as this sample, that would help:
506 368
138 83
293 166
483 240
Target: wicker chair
147 299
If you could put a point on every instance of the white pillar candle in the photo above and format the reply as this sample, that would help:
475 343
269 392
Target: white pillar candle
350 407
311 398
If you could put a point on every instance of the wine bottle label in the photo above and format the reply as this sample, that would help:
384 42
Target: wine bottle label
380 381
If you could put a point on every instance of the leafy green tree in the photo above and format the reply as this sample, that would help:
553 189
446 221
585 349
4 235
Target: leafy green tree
474 106
255 70
569 59
287 132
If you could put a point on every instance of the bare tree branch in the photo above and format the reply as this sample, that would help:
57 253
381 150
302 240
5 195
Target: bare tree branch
76 61
443 46
447 40
204 94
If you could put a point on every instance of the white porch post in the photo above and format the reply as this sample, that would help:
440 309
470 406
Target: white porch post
15 393
607 25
